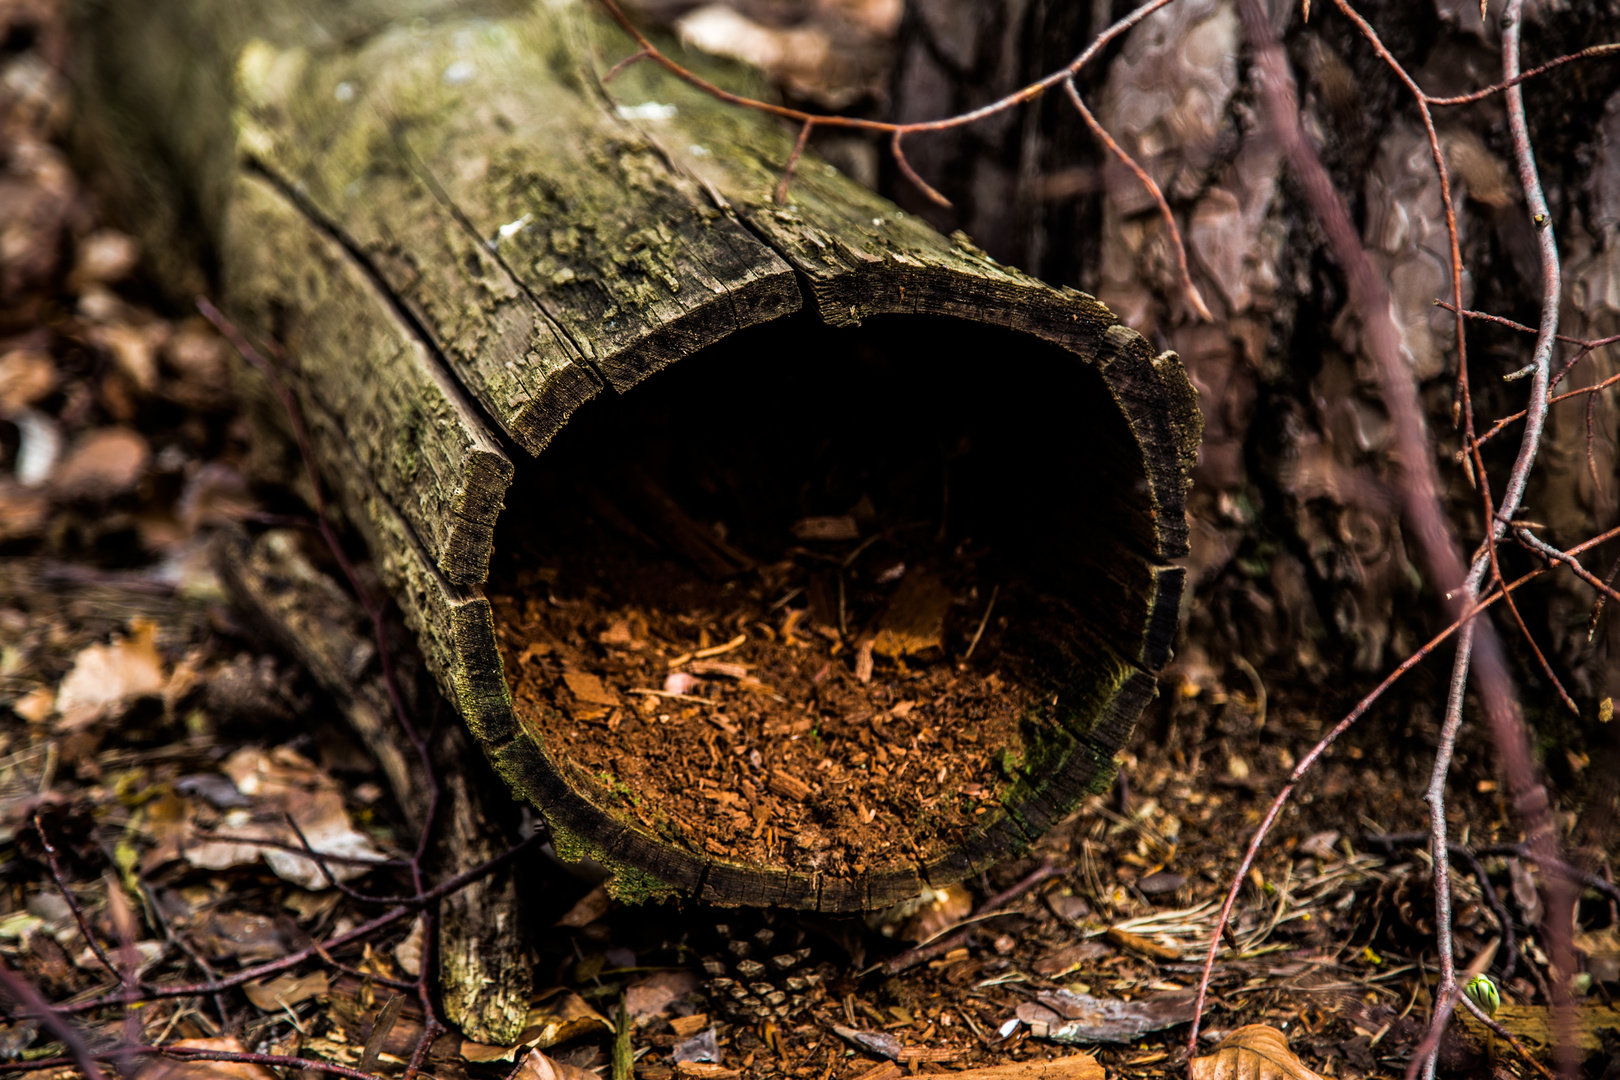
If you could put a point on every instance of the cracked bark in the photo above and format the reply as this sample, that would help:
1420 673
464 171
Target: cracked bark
460 238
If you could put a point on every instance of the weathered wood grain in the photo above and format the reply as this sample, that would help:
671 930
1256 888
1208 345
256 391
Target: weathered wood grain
457 230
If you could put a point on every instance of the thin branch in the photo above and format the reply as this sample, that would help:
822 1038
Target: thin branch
1194 297
72 900
1517 80
780 195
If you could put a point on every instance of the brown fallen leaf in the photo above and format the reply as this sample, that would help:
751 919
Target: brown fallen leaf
537 1066
827 528
1136 943
282 783
587 909
558 1017
24 512
160 1068
103 463
26 376
914 621
654 995
273 995
106 678
705 1070
1073 1067
924 918
1253 1052
589 689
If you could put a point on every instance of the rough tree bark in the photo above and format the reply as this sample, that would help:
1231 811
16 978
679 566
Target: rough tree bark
1295 549
460 239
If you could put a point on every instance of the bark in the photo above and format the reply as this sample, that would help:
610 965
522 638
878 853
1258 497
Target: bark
459 238
1297 558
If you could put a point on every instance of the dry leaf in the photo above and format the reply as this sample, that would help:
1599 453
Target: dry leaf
587 909
826 528
283 783
1082 1018
923 918
705 1070
105 678
408 953
1254 1052
1073 1067
26 375
654 995
103 463
561 1016
589 689
286 990
537 1066
37 704
159 1068
914 621
24 512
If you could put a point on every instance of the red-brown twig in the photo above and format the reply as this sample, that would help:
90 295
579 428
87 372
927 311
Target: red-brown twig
1518 80
1194 297
72 900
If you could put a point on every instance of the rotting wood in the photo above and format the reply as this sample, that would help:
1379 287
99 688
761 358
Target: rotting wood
456 231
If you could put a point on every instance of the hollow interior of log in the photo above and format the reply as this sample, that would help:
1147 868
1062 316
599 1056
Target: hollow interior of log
808 598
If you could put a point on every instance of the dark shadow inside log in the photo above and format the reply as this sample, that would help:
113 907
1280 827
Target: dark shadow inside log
823 603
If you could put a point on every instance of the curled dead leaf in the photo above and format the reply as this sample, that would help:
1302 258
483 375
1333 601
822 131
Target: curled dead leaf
1253 1052
105 678
537 1066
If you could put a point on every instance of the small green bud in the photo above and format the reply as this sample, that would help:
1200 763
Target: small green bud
1482 992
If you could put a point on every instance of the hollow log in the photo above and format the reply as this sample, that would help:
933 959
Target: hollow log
463 239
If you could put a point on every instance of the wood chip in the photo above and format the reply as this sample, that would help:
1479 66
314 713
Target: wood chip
788 786
1136 943
687 1026
705 1070
589 689
886 1071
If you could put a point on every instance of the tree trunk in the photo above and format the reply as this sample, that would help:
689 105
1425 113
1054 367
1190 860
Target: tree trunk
460 238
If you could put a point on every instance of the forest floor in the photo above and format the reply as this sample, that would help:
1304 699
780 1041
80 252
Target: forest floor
153 738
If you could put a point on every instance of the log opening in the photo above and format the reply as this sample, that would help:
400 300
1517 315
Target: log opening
813 602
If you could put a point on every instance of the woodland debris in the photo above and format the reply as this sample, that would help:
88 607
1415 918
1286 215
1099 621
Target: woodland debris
537 1066
106 678
1072 1067
1253 1052
1534 1023
1067 1017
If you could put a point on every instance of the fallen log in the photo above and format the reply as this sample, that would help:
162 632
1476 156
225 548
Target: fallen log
473 252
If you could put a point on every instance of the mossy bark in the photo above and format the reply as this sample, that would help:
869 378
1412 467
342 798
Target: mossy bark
460 235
